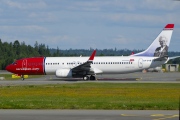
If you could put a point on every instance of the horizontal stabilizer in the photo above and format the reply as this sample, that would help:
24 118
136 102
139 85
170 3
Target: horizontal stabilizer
166 58
161 58
170 58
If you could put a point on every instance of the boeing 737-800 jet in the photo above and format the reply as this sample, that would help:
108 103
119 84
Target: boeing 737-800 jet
156 54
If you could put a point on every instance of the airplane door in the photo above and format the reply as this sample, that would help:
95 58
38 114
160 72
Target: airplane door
74 64
24 64
140 63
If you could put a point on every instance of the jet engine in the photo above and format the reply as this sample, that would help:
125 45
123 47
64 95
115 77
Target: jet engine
63 73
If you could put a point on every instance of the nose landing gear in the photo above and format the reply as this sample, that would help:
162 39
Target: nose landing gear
22 77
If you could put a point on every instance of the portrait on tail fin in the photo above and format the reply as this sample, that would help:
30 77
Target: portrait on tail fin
162 50
159 47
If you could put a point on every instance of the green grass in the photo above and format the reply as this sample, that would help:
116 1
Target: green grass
127 96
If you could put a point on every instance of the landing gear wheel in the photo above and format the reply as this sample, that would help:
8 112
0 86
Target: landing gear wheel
92 77
85 78
22 77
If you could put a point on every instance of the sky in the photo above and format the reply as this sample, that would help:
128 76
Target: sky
85 24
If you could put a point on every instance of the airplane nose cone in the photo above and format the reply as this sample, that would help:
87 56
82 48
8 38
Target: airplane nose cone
8 68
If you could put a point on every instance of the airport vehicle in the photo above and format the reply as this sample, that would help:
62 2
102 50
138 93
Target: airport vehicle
156 54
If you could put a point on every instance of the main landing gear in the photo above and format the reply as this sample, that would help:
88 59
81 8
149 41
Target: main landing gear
89 78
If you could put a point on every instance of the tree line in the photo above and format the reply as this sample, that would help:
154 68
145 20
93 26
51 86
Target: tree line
9 52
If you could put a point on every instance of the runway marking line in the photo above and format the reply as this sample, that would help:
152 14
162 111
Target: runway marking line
166 117
163 117
139 79
128 115
157 115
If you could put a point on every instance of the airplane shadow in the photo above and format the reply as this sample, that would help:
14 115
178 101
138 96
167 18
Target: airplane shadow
98 79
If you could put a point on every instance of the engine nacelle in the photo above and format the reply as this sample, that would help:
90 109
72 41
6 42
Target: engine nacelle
63 73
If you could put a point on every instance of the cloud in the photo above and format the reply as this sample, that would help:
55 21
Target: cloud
144 18
165 5
22 5
85 6
21 30
97 5
60 40
121 5
120 40
87 23
1 10
42 17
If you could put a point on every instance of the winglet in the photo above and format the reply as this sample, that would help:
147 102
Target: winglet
91 58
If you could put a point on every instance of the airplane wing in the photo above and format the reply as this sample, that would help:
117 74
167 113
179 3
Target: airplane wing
85 66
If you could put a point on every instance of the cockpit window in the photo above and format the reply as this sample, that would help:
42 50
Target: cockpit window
14 63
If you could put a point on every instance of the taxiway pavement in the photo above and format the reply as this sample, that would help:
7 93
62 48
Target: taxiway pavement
138 77
89 114
94 114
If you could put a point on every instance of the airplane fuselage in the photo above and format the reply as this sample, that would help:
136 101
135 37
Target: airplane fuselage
107 65
100 65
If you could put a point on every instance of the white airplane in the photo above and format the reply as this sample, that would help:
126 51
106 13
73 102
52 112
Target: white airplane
87 67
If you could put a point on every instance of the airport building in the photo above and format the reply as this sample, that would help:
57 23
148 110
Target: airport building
172 67
168 68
